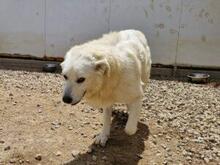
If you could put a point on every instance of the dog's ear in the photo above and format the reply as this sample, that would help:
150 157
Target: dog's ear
103 66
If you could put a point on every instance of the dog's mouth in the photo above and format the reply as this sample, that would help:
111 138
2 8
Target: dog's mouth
79 99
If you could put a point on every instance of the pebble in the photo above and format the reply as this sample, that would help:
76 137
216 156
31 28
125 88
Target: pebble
206 160
139 156
2 141
164 146
154 142
39 111
90 150
155 136
21 161
143 119
58 153
13 160
72 114
94 158
104 158
160 134
86 123
38 157
75 153
7 148
188 158
57 126
165 162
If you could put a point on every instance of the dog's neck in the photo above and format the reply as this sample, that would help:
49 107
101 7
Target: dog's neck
104 95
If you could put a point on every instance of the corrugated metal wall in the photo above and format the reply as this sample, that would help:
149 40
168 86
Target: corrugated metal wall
179 31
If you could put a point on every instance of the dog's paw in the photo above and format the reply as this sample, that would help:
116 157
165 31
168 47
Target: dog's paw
101 139
130 130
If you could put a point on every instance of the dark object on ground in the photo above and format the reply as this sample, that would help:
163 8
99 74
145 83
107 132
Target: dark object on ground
198 78
50 68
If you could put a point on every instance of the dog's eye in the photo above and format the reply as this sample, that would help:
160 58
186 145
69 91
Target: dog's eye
80 80
65 77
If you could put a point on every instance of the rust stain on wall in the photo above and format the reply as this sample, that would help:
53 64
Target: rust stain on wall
146 13
160 26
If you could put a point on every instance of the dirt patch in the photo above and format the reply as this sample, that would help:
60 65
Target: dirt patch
180 124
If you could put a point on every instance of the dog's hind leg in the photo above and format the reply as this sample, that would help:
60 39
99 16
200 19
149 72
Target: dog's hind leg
103 136
134 113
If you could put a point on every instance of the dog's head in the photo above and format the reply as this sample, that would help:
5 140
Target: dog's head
83 73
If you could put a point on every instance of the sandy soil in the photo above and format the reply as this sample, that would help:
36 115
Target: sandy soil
180 124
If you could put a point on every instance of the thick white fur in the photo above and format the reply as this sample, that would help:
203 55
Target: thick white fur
117 69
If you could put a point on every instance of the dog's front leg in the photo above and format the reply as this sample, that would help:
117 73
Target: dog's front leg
103 136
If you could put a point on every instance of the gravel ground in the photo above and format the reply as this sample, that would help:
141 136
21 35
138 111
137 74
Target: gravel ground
180 124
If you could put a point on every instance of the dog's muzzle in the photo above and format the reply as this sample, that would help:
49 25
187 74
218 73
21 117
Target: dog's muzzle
67 99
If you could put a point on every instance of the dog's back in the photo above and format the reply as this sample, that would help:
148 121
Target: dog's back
139 42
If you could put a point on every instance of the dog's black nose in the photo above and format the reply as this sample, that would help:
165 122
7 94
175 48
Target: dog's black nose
67 99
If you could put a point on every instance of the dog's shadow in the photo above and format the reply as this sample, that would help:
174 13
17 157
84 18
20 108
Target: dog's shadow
120 149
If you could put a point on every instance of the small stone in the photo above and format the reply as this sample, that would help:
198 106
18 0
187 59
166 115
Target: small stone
143 119
7 148
90 150
58 153
75 153
165 162
154 142
38 157
185 153
21 161
168 137
164 146
57 126
39 110
168 149
70 128
139 156
54 123
13 160
188 158
155 136
206 160
160 134
72 114
104 158
2 141
94 158
86 123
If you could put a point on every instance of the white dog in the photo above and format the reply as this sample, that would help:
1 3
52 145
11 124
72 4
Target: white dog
112 69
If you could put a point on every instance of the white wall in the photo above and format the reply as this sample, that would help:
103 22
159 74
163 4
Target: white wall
179 31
